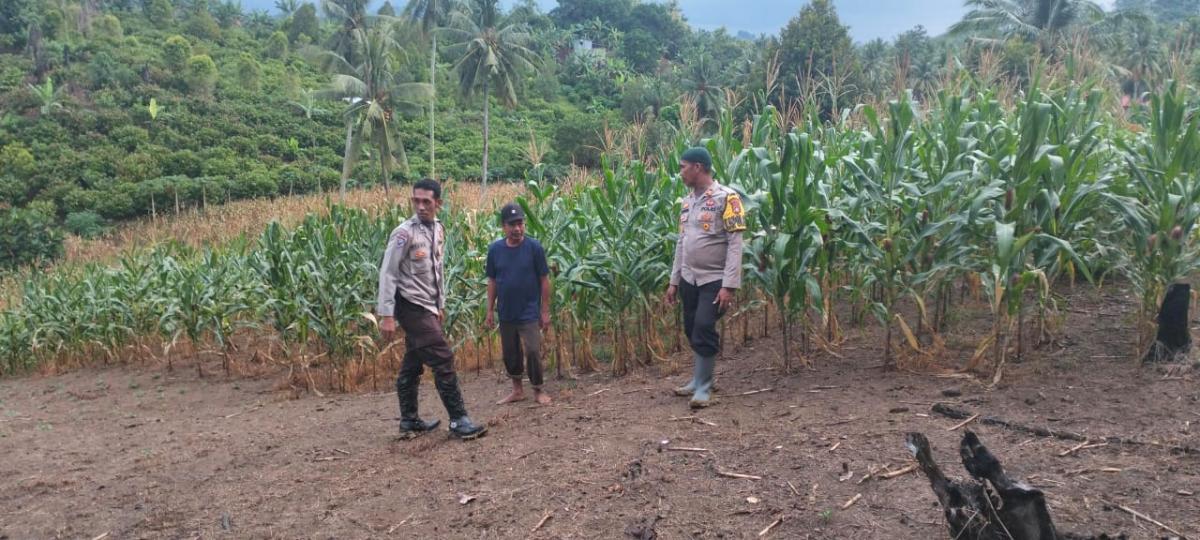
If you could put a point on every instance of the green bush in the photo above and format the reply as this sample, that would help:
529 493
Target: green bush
577 140
85 224
248 73
28 237
277 45
129 138
253 184
201 74
160 12
175 52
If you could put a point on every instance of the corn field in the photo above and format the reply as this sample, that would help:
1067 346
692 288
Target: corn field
881 212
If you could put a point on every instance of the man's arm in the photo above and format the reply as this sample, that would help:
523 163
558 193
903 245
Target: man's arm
734 219
389 280
546 295
489 319
441 262
733 262
389 273
677 263
543 272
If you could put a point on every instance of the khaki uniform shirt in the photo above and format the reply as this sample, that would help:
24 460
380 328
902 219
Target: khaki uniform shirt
710 238
413 266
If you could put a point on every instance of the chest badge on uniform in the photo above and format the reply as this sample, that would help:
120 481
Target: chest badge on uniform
706 217
419 254
711 203
706 226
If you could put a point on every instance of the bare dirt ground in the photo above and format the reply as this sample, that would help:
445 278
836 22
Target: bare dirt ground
140 452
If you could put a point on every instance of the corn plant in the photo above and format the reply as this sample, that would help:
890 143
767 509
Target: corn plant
1158 202
791 218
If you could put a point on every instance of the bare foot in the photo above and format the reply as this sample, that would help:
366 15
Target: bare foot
541 397
512 398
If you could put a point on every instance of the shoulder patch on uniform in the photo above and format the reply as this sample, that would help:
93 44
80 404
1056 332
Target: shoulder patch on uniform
734 216
400 238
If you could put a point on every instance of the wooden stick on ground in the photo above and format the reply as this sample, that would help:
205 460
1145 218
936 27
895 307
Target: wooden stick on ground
963 423
952 412
852 500
685 449
696 419
393 528
752 392
793 488
898 472
728 474
769 527
1081 446
1140 515
540 523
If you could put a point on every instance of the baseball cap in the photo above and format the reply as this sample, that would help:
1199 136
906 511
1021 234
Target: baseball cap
511 212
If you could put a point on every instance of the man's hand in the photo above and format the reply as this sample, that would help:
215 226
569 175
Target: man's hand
672 294
441 317
545 319
489 322
724 299
387 328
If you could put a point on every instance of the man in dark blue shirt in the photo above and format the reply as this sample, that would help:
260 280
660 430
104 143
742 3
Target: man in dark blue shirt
519 291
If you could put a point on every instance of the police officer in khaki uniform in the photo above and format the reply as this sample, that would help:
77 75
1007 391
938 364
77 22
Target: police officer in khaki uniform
412 290
708 265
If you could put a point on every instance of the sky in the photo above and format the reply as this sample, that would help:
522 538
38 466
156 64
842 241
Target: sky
867 19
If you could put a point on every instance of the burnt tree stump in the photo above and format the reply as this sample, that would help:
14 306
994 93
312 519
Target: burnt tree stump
1173 342
990 505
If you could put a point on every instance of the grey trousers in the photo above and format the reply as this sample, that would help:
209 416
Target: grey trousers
521 344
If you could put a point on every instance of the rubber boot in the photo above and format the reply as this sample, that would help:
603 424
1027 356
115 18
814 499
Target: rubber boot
411 424
690 387
702 397
411 427
465 429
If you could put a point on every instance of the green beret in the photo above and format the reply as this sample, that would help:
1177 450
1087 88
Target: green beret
697 155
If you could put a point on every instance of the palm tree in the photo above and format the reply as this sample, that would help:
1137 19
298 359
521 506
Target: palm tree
430 14
373 94
1039 21
48 95
701 86
350 15
310 105
1140 56
287 7
491 58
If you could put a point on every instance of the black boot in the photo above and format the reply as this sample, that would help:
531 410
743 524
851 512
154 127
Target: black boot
465 429
411 424
411 427
447 388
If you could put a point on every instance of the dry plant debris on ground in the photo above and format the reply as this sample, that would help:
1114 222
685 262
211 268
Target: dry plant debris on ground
137 451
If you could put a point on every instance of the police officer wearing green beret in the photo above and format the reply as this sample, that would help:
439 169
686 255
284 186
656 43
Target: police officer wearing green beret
708 266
